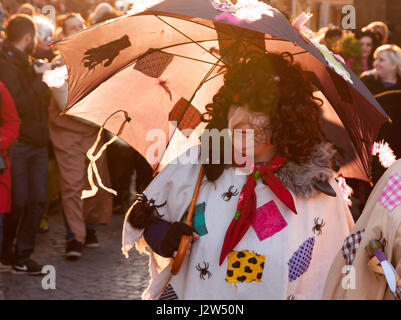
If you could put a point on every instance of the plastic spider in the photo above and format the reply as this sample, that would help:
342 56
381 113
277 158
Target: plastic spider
150 204
204 271
318 226
230 193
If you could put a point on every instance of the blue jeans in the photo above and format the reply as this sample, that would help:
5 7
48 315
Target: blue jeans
29 177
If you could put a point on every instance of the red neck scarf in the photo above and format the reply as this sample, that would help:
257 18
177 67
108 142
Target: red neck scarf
246 207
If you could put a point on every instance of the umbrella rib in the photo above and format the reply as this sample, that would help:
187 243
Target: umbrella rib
194 59
188 37
215 76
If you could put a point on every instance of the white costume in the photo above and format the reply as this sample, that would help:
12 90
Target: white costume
283 255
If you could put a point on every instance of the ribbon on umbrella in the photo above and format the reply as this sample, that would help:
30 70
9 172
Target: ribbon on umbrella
92 168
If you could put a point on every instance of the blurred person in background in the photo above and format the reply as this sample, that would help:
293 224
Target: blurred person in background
29 155
332 39
385 83
379 28
27 9
369 42
45 29
9 127
2 18
387 72
45 32
71 138
103 12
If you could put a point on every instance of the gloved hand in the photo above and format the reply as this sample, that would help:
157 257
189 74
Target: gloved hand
171 240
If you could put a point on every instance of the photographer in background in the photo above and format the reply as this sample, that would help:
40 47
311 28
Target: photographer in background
29 155
9 127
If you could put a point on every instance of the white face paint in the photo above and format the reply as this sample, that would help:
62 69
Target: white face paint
250 131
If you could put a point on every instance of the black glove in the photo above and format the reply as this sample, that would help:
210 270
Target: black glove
171 240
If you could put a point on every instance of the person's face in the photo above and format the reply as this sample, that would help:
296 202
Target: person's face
73 25
240 119
366 46
385 67
32 42
43 45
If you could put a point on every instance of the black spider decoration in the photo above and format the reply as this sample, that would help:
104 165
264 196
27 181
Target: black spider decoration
150 204
230 193
318 226
204 271
144 212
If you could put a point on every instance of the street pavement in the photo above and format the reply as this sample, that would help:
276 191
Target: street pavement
102 273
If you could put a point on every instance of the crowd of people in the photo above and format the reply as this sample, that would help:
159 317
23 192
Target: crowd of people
43 156
378 63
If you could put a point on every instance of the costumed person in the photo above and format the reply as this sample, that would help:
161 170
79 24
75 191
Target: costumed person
271 234
72 138
369 264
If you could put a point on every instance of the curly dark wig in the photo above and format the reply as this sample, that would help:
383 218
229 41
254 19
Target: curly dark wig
274 85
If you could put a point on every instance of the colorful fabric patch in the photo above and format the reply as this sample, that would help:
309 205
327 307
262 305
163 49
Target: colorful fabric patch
244 266
168 293
268 220
154 64
351 245
198 219
186 115
390 198
300 260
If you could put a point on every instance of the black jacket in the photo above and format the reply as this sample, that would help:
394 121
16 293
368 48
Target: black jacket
376 86
390 100
30 94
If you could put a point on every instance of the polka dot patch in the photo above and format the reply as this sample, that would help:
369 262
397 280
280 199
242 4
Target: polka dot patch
300 260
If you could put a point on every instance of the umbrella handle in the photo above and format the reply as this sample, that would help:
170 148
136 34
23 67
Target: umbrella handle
184 243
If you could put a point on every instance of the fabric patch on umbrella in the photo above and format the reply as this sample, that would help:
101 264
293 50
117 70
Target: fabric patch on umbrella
351 245
169 293
390 197
268 221
244 266
300 260
186 115
154 64
198 219
105 53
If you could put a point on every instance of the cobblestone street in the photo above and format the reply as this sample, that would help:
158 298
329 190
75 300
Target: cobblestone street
102 273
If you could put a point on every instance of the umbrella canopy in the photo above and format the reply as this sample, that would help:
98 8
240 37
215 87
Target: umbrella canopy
163 65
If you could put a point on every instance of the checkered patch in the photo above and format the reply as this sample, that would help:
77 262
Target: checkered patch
390 197
186 115
351 245
154 64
